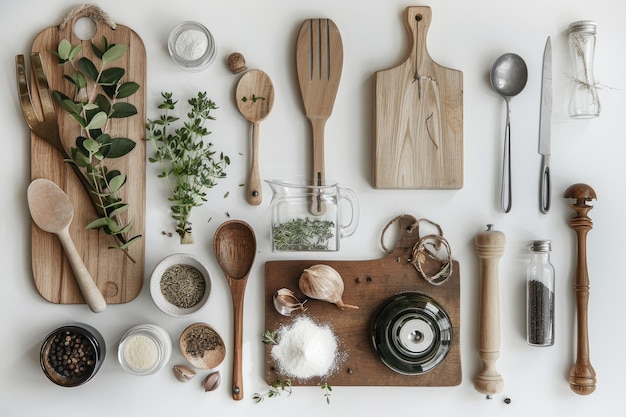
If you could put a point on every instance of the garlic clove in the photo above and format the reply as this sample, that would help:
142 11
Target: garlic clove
212 381
324 283
285 302
183 373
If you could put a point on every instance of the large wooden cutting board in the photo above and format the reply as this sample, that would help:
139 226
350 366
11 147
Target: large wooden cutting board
418 118
368 284
118 278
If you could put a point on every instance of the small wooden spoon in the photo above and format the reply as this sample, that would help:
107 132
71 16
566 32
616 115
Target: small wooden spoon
52 211
254 97
234 245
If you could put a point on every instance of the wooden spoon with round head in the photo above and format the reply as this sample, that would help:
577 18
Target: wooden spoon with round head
254 97
234 245
52 210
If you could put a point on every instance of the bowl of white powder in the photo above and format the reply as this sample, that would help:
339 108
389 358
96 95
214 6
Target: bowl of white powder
144 349
191 46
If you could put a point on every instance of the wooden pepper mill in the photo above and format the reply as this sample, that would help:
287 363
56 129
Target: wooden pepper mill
489 248
582 376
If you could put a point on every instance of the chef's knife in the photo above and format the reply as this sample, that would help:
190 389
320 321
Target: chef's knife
545 123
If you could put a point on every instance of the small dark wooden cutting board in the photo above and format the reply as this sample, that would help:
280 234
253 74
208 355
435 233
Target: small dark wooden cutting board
418 118
118 278
368 284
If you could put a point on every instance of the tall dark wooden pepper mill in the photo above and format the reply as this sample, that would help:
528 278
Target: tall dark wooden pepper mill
582 376
489 248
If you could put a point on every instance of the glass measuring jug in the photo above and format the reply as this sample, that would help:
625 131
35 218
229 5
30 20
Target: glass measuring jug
306 217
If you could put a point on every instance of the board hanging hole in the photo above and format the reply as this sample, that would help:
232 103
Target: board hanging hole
418 17
85 28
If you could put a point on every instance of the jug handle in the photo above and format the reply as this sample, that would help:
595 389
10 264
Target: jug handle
350 196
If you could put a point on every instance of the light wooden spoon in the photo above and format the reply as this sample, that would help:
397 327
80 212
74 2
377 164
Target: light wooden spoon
255 98
52 211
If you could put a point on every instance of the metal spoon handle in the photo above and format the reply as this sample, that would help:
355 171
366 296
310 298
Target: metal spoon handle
506 188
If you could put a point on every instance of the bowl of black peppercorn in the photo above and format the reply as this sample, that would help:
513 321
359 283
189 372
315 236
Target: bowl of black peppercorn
72 354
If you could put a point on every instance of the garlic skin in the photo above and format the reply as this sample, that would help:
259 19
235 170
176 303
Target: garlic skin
285 302
324 283
212 381
183 373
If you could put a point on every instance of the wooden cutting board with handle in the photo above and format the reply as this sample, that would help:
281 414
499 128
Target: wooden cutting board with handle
118 278
418 118
368 285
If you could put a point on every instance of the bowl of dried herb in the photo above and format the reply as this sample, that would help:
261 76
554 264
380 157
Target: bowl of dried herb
180 285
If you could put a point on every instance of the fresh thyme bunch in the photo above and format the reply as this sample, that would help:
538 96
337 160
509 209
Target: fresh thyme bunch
189 164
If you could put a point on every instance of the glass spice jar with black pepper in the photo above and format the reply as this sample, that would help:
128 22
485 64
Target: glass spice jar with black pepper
540 295
72 354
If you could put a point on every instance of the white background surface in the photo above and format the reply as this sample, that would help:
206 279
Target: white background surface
468 36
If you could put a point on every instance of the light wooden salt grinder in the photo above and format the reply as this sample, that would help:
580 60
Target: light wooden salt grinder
489 248
582 376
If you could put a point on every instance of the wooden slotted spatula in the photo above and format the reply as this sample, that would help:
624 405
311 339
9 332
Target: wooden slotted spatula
319 61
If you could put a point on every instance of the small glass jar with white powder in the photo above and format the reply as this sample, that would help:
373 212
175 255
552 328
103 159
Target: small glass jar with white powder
144 349
191 46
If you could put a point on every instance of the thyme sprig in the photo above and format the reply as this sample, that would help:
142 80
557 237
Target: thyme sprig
189 165
270 337
278 386
94 106
327 391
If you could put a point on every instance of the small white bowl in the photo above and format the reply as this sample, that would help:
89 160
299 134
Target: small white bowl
155 284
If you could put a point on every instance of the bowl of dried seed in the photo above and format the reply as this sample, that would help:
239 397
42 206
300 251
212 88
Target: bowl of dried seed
180 285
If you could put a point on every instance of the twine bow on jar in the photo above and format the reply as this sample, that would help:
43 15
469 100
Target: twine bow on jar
428 247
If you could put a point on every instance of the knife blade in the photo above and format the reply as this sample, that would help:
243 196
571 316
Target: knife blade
545 128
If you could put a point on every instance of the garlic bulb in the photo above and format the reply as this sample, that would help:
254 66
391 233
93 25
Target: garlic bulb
322 282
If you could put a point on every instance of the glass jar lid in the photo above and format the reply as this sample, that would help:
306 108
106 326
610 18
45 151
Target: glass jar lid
583 26
541 246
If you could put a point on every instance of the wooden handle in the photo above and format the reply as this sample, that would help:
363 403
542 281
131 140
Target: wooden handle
237 287
489 248
319 176
582 376
254 195
417 21
92 295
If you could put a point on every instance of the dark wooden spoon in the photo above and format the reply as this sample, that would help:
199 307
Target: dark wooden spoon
234 245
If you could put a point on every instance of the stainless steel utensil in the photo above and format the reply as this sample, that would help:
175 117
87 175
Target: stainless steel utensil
545 124
508 78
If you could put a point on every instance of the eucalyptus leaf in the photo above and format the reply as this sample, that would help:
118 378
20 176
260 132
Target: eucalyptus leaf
113 53
91 145
97 121
116 183
120 147
127 89
75 51
103 103
111 76
88 68
64 50
122 109
97 224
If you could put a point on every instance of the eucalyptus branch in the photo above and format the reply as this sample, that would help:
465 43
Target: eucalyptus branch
94 113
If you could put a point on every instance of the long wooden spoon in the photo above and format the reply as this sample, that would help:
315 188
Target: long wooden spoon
234 245
319 61
52 210
255 98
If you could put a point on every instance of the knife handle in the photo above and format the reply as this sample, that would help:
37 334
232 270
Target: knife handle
545 192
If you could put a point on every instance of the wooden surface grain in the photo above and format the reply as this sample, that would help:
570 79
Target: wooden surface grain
118 278
368 284
418 118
